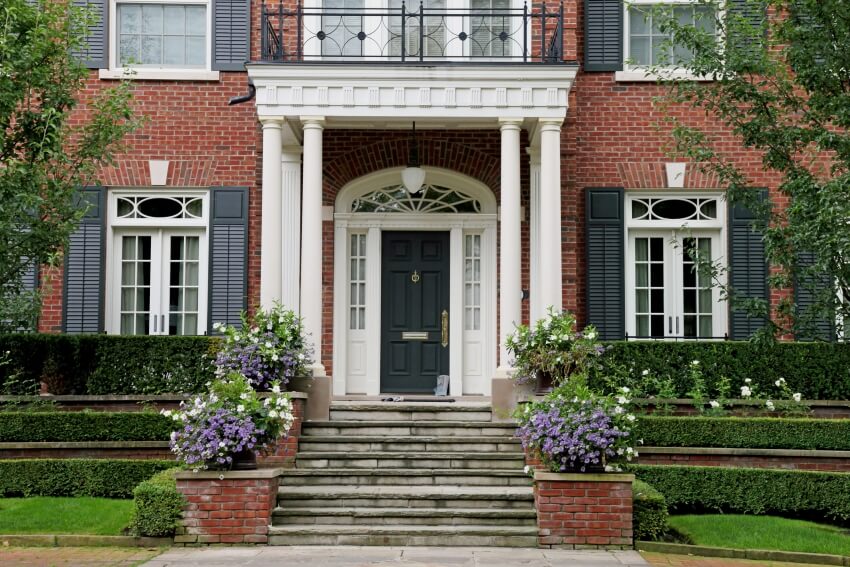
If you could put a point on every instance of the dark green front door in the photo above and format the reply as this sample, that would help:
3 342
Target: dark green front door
414 311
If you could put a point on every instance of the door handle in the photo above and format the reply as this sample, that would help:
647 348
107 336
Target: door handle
669 325
444 326
677 324
154 324
162 323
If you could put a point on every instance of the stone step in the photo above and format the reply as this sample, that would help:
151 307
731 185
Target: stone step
409 477
405 535
406 516
400 496
410 411
355 444
407 428
402 460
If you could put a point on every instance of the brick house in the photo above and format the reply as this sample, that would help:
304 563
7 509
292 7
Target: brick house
546 183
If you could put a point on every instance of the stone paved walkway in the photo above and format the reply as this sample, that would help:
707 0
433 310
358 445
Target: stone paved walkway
662 560
75 556
392 557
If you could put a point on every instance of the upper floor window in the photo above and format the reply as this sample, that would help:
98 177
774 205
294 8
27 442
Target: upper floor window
645 43
160 39
162 35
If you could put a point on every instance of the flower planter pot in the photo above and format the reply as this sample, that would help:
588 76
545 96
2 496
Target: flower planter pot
544 382
245 460
587 510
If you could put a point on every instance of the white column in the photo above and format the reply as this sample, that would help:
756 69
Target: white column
270 237
510 286
550 214
291 227
311 237
535 307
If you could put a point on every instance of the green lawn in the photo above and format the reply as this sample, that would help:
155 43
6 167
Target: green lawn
763 532
45 515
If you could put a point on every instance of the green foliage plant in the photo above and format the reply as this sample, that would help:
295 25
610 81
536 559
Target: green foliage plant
157 506
555 346
79 426
48 147
649 511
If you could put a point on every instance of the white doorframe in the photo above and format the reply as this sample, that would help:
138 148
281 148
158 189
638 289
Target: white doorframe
356 358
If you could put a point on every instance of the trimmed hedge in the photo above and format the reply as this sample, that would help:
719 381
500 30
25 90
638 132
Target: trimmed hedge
749 432
750 491
157 506
27 427
105 364
75 477
820 371
649 512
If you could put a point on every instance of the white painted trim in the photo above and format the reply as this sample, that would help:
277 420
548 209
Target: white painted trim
458 225
144 74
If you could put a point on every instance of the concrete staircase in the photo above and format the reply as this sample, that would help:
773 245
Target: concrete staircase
396 473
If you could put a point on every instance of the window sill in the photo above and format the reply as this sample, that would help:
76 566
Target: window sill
644 76
159 74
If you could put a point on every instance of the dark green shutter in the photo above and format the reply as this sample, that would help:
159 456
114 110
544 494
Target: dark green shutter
747 269
82 303
603 35
29 279
808 290
753 12
228 255
231 34
606 301
93 55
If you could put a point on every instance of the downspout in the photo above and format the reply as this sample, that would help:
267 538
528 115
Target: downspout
252 92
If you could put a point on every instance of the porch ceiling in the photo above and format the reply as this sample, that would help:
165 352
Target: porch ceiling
391 96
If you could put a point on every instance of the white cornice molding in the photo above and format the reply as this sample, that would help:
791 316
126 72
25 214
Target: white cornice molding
470 93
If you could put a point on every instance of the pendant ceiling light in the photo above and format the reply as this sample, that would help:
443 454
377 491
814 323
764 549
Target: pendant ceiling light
413 176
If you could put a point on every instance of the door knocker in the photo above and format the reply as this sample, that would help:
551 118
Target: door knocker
414 277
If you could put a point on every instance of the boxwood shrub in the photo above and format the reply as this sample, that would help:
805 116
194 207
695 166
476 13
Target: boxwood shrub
748 432
751 491
649 511
105 364
108 478
157 505
24 427
819 371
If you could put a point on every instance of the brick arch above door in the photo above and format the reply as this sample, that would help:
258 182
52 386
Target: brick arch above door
350 155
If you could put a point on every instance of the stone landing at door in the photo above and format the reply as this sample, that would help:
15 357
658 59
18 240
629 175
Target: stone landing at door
415 474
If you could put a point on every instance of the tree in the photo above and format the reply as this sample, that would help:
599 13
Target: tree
53 140
779 75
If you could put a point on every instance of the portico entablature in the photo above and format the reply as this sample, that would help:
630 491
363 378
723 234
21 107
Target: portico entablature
369 96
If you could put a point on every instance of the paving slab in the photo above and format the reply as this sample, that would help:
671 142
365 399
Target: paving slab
353 556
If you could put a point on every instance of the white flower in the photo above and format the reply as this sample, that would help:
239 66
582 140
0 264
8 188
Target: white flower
797 397
769 405
275 357
243 396
630 417
714 403
780 382
695 363
166 413
645 372
747 380
272 413
240 408
620 451
746 392
280 319
222 444
618 410
622 400
267 401
526 469
268 344
255 340
276 389
591 335
625 390
217 326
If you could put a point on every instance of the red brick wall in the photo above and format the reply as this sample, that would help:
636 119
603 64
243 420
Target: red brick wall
232 510
579 512
286 448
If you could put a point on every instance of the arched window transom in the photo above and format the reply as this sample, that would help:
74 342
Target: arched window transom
431 199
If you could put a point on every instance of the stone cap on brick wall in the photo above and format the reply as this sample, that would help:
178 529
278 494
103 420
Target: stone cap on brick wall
120 398
259 473
584 477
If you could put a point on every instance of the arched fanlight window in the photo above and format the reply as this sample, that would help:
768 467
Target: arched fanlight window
431 199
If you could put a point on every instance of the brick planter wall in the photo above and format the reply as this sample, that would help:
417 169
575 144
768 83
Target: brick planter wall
227 506
577 511
284 453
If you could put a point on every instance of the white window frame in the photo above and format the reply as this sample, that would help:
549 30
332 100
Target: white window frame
640 73
676 230
116 71
159 228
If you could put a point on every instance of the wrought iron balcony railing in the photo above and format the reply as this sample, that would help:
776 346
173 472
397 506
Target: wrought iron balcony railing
403 34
